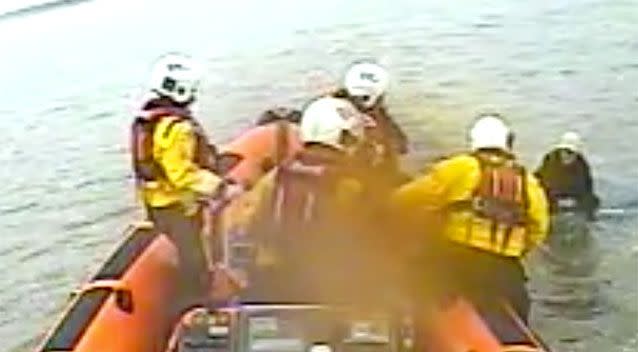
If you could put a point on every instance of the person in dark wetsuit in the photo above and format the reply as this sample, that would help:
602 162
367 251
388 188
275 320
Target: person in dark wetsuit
566 177
365 85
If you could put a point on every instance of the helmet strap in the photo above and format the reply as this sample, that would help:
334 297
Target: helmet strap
166 101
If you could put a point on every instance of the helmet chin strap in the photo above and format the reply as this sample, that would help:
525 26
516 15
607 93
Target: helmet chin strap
157 93
190 101
185 104
362 102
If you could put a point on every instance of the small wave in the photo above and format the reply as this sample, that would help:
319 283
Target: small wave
530 73
36 253
573 305
39 8
57 109
13 248
567 72
450 83
98 219
622 68
98 180
492 17
452 35
18 208
100 115
31 251
486 25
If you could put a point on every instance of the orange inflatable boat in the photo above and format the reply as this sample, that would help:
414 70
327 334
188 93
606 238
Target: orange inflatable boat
260 149
125 305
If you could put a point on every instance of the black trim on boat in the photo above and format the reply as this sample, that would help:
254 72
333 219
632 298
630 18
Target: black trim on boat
124 256
77 320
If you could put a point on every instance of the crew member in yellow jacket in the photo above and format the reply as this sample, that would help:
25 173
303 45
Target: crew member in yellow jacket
491 212
174 167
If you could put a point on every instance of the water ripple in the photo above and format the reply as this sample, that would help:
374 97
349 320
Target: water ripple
76 225
487 25
100 115
18 208
552 67
100 180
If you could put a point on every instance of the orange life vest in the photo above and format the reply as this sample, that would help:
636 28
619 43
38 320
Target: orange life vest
500 196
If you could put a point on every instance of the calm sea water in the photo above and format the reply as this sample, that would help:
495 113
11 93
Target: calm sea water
70 77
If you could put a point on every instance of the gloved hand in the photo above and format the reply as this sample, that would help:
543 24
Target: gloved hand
224 283
226 192
232 190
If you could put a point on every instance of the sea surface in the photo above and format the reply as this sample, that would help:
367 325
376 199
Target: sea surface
71 77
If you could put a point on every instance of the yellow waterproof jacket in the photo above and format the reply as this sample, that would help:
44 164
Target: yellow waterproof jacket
174 149
454 180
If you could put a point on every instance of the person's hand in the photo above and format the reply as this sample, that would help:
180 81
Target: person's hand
232 191
225 283
225 194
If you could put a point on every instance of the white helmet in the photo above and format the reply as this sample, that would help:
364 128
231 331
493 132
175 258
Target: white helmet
325 120
367 81
570 141
490 131
176 77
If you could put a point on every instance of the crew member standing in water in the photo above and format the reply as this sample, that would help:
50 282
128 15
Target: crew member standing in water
174 167
566 176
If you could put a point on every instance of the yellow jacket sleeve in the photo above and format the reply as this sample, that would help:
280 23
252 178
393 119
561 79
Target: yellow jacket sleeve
538 212
433 191
174 148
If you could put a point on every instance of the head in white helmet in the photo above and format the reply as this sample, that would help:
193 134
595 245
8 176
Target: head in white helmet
569 147
176 77
333 122
490 131
570 141
366 83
